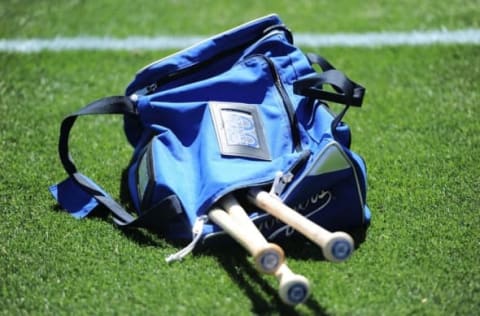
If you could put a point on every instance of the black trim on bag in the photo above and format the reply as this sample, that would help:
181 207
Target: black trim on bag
145 192
282 27
153 215
287 102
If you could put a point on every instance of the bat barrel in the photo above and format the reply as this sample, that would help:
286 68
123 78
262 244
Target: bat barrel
336 247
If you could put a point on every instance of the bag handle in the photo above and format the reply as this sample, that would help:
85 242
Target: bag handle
347 92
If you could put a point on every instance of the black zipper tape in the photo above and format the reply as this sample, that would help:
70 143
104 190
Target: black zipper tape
287 102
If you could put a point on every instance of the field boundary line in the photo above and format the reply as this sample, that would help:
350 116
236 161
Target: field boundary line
380 39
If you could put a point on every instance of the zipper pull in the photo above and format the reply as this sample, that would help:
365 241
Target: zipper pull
147 90
280 182
197 230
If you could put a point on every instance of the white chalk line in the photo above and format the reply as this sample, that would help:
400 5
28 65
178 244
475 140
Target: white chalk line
414 38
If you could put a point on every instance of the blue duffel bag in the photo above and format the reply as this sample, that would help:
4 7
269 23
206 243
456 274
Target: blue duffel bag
243 109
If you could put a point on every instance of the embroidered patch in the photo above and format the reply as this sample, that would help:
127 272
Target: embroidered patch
239 130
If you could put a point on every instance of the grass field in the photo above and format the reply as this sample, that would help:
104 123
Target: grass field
418 132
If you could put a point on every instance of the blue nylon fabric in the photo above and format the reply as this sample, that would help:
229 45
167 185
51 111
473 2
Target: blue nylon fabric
72 198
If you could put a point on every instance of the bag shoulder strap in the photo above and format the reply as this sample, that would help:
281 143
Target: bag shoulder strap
110 105
152 218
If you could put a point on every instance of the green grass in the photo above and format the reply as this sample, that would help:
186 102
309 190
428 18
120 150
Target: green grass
24 18
418 132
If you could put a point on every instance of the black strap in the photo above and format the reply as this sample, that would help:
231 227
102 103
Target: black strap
347 92
315 59
111 105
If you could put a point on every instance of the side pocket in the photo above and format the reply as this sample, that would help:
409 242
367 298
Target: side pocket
330 190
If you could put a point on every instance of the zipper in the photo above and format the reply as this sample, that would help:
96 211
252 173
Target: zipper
292 170
287 102
282 180
191 68
151 88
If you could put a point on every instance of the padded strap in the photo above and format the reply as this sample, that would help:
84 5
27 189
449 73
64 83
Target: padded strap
111 105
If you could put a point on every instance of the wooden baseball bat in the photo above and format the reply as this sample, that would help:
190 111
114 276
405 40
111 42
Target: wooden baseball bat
336 247
267 257
293 288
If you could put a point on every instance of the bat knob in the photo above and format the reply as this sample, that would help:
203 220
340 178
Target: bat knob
339 247
294 289
269 259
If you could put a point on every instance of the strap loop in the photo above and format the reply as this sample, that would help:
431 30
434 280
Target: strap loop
347 92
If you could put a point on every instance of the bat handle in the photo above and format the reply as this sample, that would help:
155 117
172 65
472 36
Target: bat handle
267 257
294 288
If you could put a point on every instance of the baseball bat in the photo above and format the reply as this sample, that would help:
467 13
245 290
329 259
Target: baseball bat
293 288
267 256
336 247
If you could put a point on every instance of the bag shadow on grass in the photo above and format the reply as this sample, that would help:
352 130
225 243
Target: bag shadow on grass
299 247
263 295
234 260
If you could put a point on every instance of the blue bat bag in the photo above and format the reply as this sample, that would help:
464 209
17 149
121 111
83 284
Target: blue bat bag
243 109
